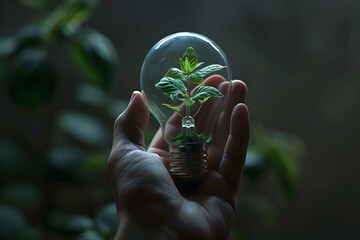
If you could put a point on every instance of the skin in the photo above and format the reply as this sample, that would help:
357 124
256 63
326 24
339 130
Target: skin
149 204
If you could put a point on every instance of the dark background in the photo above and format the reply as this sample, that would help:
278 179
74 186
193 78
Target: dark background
300 60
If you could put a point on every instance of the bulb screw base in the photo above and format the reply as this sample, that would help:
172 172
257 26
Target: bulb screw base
188 161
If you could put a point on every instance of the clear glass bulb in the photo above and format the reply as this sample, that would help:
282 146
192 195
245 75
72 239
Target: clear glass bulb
185 101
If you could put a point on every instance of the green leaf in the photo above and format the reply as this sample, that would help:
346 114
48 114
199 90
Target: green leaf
172 107
92 95
96 56
190 54
68 16
35 4
12 221
182 65
175 73
106 219
209 69
77 224
204 100
7 46
171 86
187 66
198 65
90 235
31 81
203 92
84 128
29 36
196 78
65 159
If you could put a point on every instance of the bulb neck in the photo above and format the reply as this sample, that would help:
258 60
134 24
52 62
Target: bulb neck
188 161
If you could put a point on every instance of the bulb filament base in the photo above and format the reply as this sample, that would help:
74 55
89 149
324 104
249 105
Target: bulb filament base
188 161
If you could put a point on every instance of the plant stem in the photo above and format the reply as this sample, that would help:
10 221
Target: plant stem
198 110
188 107
179 113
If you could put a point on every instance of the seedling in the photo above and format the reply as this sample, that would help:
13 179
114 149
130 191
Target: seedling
176 85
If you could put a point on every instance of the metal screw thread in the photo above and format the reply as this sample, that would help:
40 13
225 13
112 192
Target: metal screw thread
188 161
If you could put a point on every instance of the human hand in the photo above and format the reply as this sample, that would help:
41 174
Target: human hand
149 204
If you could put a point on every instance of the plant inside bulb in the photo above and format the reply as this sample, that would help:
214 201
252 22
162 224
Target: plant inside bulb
182 92
176 85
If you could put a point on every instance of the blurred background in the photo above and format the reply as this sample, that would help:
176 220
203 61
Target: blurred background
68 68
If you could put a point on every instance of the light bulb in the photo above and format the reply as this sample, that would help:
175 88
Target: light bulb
187 106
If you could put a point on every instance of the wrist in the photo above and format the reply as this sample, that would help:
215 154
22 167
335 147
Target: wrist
129 229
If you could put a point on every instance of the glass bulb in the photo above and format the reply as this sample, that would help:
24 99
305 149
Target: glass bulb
186 99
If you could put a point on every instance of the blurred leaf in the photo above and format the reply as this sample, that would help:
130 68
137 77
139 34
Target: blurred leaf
95 162
90 235
116 107
77 224
31 81
255 166
11 160
69 16
84 128
96 57
106 219
284 172
65 158
191 57
29 36
35 4
7 46
12 220
23 195
281 152
91 95
65 163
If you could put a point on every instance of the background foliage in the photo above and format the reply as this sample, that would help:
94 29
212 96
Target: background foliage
54 182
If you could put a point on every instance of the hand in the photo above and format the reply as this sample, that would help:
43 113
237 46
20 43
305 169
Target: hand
149 204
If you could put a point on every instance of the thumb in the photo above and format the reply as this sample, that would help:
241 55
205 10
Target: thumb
130 125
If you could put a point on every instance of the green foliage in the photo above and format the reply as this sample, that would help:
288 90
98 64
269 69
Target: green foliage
175 73
84 128
191 138
12 221
31 80
205 92
27 67
172 84
197 77
190 60
95 56
176 108
277 153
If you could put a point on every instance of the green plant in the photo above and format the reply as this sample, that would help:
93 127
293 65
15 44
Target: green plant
191 138
172 84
